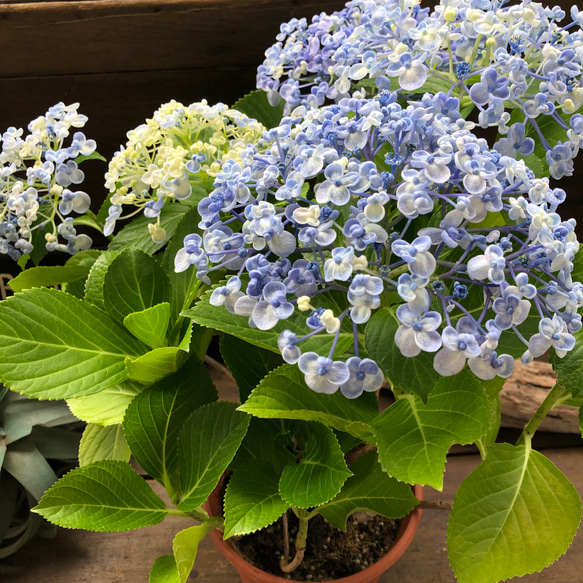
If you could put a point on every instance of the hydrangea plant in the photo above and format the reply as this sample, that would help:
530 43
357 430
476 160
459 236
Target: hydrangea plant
370 235
38 185
518 65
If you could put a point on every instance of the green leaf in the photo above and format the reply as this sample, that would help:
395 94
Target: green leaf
47 276
103 443
107 496
514 514
156 364
369 489
264 441
134 282
413 437
196 340
218 318
164 570
154 419
283 394
321 473
492 388
136 234
150 325
96 278
509 342
55 346
248 364
23 261
416 374
184 283
207 443
569 369
577 273
106 407
92 156
39 243
88 219
252 500
255 105
185 546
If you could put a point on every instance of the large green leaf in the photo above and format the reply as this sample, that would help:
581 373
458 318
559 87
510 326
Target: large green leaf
185 546
207 443
569 369
134 282
255 105
156 364
96 278
55 346
218 318
413 437
150 325
103 443
252 500
283 394
369 489
164 570
136 234
107 496
248 364
320 474
513 515
48 276
106 407
416 374
154 419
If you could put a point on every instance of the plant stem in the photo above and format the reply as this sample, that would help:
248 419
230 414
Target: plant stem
358 451
285 538
300 545
555 396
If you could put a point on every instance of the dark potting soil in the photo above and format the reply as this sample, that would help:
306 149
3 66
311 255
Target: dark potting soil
330 553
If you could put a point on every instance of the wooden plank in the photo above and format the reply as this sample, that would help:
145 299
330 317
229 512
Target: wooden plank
142 35
524 392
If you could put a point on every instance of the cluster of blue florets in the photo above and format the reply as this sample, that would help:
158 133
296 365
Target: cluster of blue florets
500 59
39 175
367 199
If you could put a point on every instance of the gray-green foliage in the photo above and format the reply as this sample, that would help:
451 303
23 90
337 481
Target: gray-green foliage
31 432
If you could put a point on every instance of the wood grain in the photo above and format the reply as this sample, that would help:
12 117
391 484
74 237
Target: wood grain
523 393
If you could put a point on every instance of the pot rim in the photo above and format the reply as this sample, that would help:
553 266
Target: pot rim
405 535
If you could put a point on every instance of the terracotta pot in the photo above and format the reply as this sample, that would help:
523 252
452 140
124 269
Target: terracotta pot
251 574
